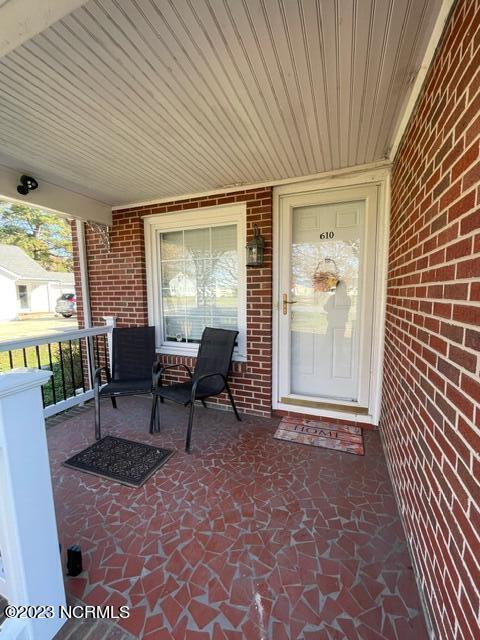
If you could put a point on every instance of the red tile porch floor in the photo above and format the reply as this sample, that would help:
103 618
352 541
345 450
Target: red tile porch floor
247 537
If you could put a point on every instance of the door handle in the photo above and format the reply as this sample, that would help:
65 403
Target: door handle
285 302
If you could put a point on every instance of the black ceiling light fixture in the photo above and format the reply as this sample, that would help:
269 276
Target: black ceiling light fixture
27 183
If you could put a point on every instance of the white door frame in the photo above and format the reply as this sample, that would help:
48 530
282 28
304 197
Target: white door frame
381 179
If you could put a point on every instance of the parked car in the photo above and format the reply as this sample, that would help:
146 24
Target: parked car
66 305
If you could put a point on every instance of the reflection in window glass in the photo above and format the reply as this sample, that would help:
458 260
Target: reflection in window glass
199 281
341 257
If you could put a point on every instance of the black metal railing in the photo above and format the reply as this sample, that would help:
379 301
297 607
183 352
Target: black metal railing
71 357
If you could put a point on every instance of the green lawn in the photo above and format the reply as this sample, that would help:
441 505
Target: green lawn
31 328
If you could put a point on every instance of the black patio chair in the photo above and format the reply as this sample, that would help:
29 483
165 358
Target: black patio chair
209 378
134 368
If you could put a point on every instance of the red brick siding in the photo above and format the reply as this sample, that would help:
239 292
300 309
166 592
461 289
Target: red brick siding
118 287
430 412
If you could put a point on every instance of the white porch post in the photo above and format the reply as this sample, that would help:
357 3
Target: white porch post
84 284
85 288
28 531
110 321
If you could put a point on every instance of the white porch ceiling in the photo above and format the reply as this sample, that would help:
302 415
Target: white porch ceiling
20 20
132 100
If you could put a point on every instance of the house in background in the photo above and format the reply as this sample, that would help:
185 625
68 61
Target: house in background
26 287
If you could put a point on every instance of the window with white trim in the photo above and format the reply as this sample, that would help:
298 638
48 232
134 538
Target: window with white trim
196 276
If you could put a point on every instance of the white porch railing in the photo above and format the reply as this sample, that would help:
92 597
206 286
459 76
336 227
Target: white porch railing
71 356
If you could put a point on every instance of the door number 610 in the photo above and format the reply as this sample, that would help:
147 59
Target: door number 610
327 235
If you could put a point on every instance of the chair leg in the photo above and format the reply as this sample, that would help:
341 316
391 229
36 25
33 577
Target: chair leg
153 413
98 433
203 402
190 425
232 401
114 402
157 416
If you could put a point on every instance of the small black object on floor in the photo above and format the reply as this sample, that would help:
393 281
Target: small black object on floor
74 561
125 461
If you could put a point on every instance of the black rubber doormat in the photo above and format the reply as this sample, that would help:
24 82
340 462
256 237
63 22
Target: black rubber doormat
124 461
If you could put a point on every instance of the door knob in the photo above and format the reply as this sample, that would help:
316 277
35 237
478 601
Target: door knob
285 302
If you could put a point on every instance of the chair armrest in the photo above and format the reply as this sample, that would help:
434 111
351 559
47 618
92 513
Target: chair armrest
170 366
207 375
98 372
97 379
174 366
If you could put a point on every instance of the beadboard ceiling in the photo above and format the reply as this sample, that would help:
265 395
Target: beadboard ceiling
131 100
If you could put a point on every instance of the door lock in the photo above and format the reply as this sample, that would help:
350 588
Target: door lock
285 302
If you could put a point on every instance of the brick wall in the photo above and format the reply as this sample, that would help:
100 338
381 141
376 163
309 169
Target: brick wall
431 414
118 287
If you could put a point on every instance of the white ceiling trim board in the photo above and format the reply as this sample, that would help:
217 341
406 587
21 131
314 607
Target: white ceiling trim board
320 177
56 199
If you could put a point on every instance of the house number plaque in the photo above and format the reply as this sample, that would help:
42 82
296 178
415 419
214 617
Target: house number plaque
327 235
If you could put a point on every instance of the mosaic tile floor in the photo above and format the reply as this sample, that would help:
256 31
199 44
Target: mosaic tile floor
247 537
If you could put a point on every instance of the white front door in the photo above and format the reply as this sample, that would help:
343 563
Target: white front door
326 285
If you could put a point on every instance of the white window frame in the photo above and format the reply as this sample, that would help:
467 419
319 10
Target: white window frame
154 225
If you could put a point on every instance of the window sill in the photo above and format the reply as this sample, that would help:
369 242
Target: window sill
191 352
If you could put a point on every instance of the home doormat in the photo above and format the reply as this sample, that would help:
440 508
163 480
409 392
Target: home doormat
123 461
340 437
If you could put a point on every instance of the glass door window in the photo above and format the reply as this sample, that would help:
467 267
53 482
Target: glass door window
327 252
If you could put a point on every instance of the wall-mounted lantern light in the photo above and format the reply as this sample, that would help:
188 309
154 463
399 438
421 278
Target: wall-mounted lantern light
255 249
